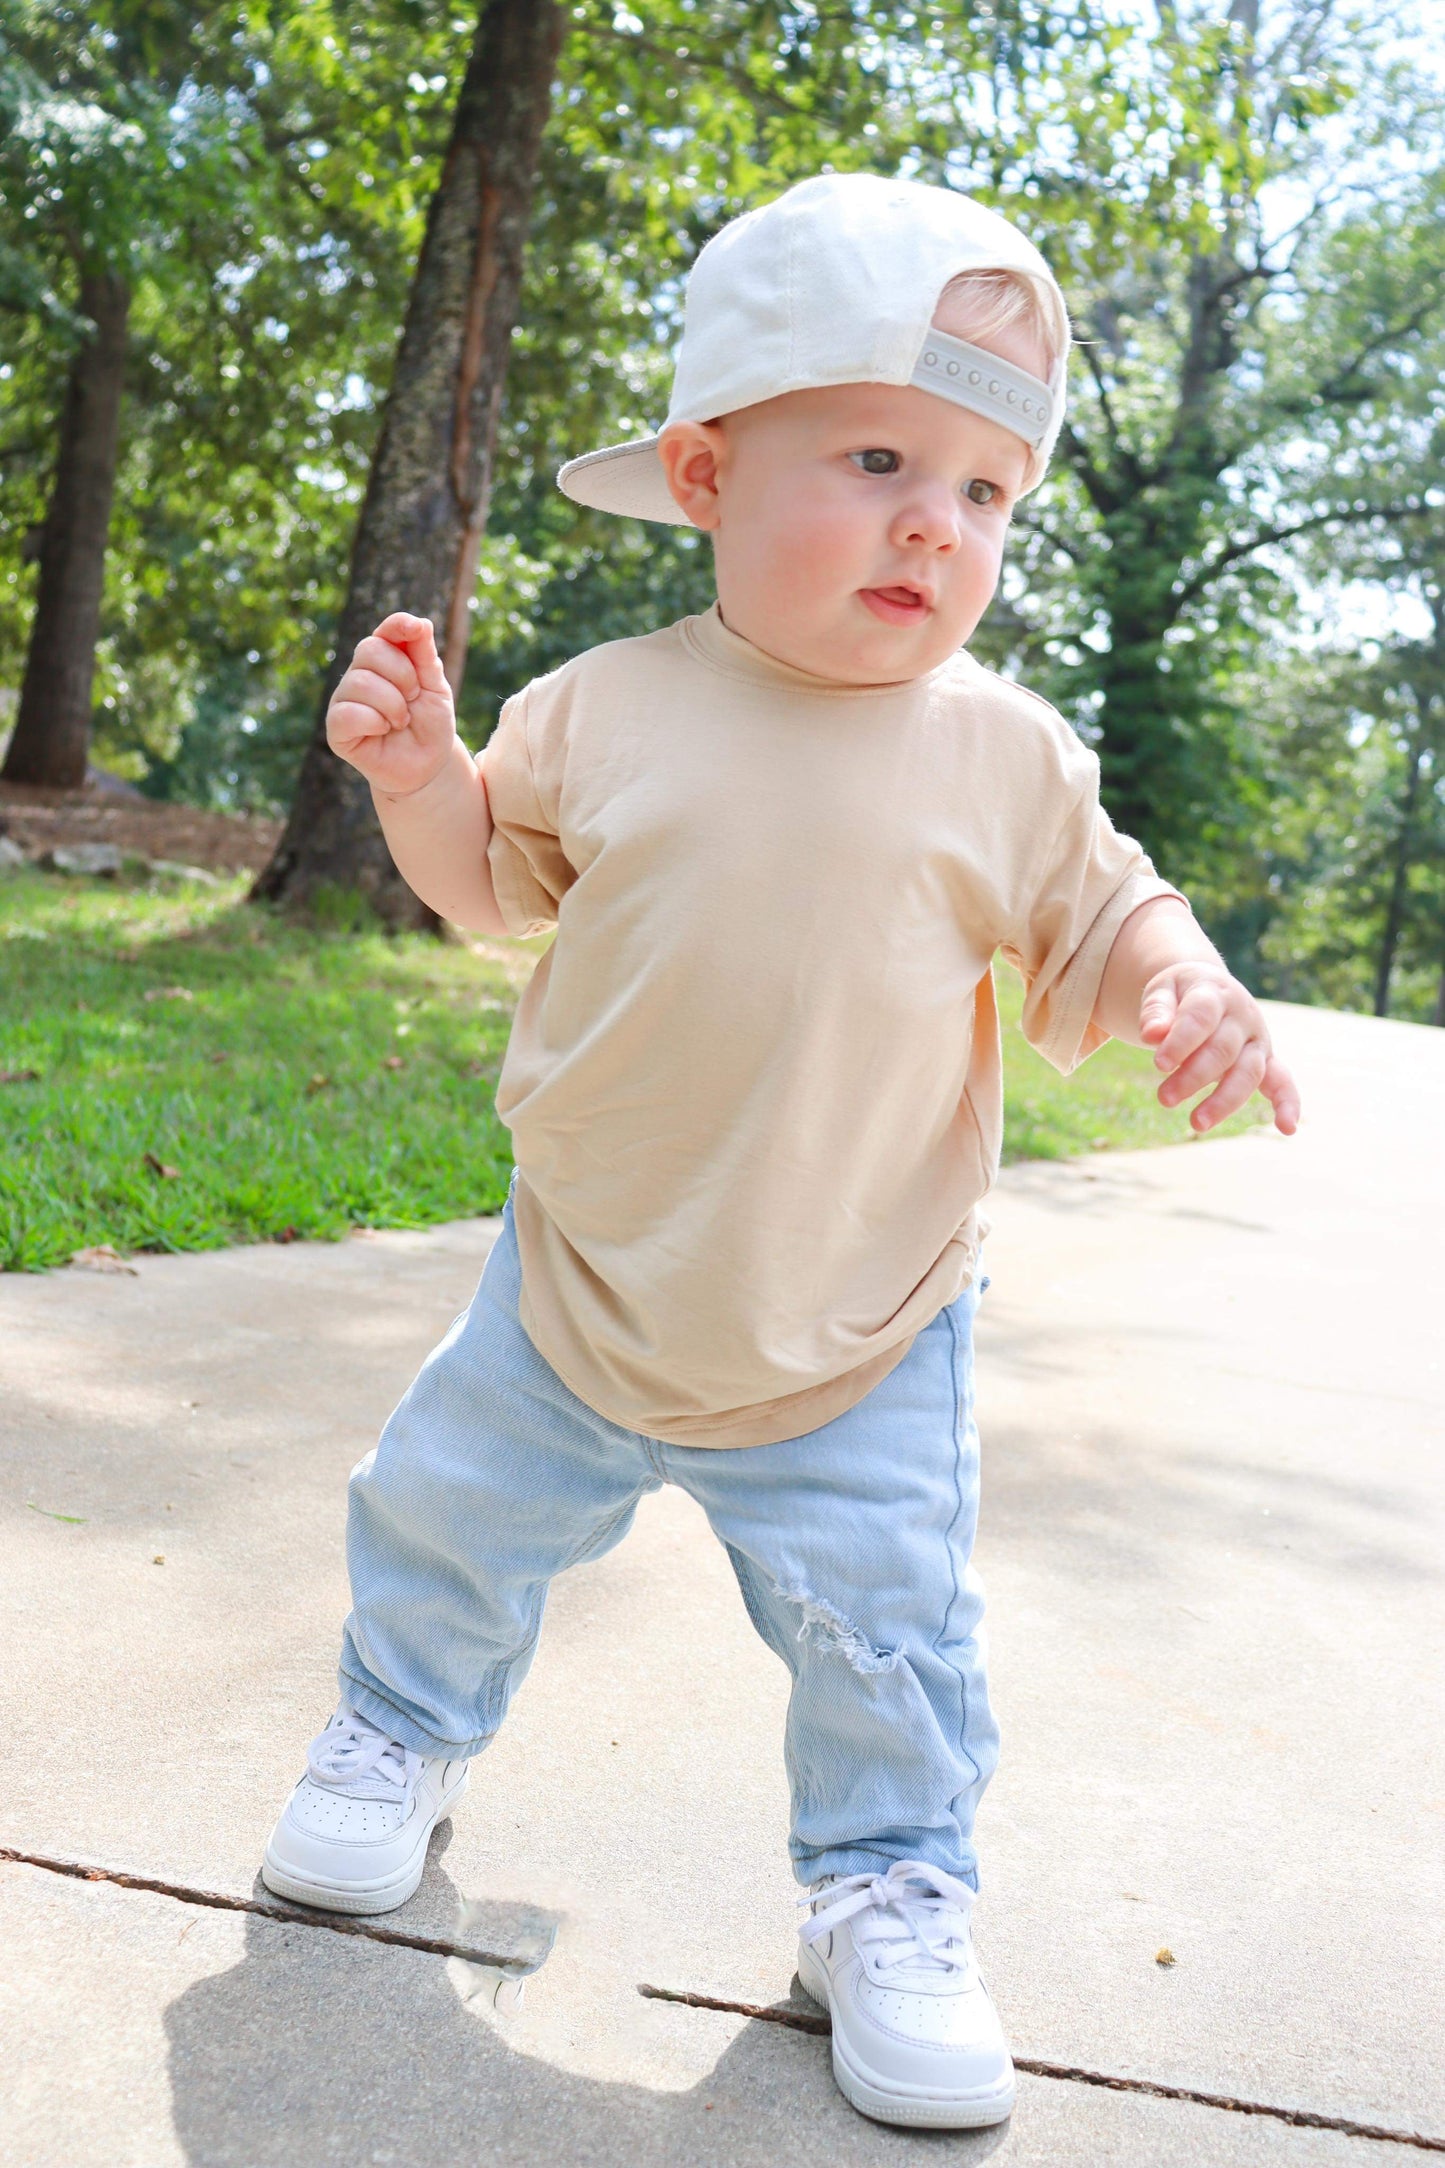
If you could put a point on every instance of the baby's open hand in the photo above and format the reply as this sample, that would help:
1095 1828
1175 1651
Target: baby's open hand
391 716
1205 1028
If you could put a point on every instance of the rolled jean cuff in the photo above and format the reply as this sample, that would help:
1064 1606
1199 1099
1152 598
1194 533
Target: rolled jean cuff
365 1701
855 1860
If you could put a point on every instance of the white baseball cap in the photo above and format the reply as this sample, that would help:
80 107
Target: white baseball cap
836 282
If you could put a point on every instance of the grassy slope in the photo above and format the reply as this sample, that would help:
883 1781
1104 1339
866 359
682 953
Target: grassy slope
301 1083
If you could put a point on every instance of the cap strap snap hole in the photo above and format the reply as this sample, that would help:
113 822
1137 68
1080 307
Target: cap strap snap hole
972 377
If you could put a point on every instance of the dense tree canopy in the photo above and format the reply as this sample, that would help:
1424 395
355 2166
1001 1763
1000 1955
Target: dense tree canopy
1242 201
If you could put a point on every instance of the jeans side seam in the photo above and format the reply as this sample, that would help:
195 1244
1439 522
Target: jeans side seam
960 1412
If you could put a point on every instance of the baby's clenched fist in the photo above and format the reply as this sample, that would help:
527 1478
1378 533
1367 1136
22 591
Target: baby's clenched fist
392 715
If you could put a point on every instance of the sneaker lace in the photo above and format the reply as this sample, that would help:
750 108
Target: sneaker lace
352 1751
908 1916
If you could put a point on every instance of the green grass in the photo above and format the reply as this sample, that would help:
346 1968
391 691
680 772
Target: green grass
206 1072
1108 1105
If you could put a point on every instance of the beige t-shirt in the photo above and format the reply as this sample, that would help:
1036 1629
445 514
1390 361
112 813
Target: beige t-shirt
754 1085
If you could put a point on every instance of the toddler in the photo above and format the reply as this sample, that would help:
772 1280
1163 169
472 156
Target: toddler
754 1090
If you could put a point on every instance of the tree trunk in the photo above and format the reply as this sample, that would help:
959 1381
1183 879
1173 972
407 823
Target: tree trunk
425 510
51 741
1395 909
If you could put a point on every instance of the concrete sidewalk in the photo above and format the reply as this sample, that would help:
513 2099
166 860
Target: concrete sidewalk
1212 1405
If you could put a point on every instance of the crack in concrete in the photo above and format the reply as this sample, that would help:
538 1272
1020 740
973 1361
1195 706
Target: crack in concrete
334 1923
1306 2118
770 2014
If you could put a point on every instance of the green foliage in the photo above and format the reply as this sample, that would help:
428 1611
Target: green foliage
269 232
1353 907
297 1083
1247 222
1254 290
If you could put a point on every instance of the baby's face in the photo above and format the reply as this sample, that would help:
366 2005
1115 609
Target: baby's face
858 528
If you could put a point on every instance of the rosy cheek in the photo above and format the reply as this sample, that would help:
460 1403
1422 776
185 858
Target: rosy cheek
804 538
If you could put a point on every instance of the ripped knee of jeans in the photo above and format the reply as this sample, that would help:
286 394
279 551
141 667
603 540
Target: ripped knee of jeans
826 1627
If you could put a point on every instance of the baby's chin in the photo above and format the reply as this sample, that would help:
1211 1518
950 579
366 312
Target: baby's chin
859 650
838 637
886 645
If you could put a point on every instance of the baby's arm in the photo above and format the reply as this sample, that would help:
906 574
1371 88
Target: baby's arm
392 718
1167 987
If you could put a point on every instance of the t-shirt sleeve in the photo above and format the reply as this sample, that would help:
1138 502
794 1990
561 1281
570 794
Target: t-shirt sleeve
1091 879
530 873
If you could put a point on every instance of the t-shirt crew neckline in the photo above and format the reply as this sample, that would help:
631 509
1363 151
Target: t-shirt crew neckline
720 648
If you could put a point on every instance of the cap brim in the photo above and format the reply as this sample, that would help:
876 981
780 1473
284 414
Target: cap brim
625 478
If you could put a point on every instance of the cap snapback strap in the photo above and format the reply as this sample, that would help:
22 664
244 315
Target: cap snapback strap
978 380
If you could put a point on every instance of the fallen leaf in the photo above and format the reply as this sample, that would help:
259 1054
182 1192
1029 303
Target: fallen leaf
159 1559
392 1061
168 993
1164 1957
158 1166
102 1258
19 1076
318 1083
77 1520
216 1059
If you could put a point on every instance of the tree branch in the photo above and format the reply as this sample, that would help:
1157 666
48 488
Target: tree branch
1047 535
1098 489
1346 515
1121 450
1336 388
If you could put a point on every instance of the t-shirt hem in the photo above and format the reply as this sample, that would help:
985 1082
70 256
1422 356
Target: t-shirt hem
743 1426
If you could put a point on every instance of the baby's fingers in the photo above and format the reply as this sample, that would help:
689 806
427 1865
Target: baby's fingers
415 637
1280 1089
350 722
1207 1065
1238 1084
1195 1021
385 659
367 688
1157 1014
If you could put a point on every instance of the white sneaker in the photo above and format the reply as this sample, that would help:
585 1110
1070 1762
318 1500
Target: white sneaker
916 2038
353 1835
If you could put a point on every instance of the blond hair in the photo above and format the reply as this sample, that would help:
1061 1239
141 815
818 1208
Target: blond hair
993 301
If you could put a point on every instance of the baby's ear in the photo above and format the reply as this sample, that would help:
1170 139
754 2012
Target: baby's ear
692 459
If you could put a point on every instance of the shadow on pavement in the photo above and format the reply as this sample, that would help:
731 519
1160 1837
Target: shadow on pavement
320 2049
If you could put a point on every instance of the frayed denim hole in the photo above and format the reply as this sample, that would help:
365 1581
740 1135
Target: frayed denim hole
826 1627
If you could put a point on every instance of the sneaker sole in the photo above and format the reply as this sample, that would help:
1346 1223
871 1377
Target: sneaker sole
903 2105
359 1900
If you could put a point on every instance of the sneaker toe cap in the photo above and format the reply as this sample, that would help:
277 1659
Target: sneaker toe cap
951 2040
323 1833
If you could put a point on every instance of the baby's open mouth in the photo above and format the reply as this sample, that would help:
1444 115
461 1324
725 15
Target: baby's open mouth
895 605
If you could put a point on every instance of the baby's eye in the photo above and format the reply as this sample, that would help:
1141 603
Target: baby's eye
981 492
876 461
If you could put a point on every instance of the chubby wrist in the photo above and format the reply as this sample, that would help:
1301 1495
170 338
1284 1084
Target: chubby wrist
457 767
1200 965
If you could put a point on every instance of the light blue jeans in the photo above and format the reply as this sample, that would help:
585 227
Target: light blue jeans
851 1548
